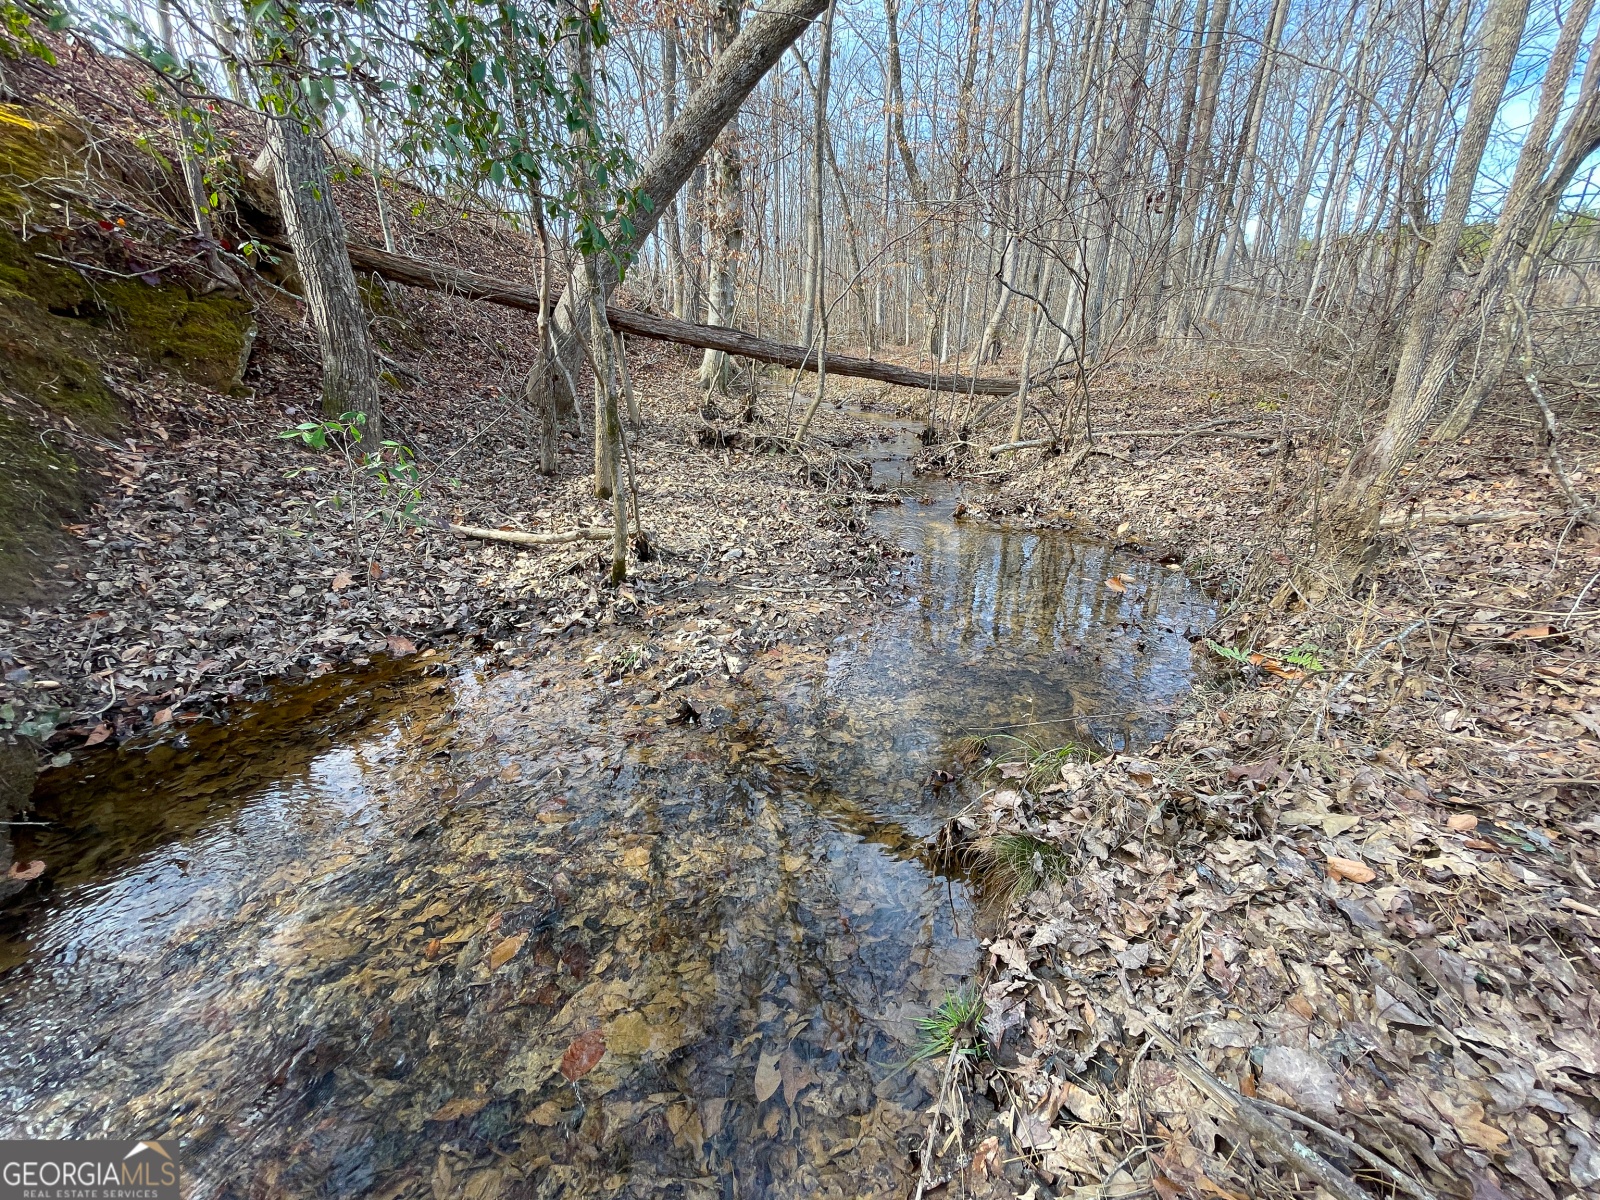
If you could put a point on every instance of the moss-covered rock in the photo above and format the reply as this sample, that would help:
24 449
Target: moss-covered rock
203 338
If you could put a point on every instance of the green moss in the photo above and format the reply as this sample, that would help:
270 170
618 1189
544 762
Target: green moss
202 338
44 488
56 325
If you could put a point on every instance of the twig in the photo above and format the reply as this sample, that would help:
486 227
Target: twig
925 1173
1079 456
67 262
1030 444
1404 1182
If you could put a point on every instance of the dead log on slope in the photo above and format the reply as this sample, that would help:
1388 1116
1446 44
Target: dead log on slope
469 285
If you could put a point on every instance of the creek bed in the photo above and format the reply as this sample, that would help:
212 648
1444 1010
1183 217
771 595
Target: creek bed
340 947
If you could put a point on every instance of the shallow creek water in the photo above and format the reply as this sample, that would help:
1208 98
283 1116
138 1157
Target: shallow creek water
339 947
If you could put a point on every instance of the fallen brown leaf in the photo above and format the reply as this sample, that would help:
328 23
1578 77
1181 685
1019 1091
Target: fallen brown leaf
768 1077
461 1106
1349 868
506 950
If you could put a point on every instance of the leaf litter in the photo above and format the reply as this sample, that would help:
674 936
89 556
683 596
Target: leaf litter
1335 932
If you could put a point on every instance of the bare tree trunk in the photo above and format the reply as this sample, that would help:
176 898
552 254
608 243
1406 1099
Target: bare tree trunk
227 36
1133 55
989 339
727 231
316 234
1356 502
194 181
921 215
674 234
539 389
1236 211
1196 170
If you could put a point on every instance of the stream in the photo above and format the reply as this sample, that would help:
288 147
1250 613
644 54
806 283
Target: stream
341 946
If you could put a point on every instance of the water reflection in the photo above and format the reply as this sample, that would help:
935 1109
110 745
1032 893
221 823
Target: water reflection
1017 628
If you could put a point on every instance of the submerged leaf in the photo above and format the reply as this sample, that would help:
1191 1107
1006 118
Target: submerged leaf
768 1077
583 1055
505 951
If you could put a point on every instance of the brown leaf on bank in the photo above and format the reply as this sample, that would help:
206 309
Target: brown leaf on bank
98 734
583 1055
986 1161
1349 868
1468 1121
461 1106
546 1114
342 580
25 871
1462 823
400 646
431 950
163 717
1532 632
506 950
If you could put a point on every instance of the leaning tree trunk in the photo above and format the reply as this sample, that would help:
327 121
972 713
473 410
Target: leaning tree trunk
1355 505
731 78
316 235
1541 179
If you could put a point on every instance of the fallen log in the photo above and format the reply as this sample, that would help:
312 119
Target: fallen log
1460 520
590 533
469 285
1030 444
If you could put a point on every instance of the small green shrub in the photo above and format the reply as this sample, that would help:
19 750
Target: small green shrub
954 1028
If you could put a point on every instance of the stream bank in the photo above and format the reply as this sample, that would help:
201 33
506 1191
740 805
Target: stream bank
1357 879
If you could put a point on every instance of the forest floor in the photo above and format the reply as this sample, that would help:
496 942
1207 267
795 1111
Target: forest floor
1348 903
